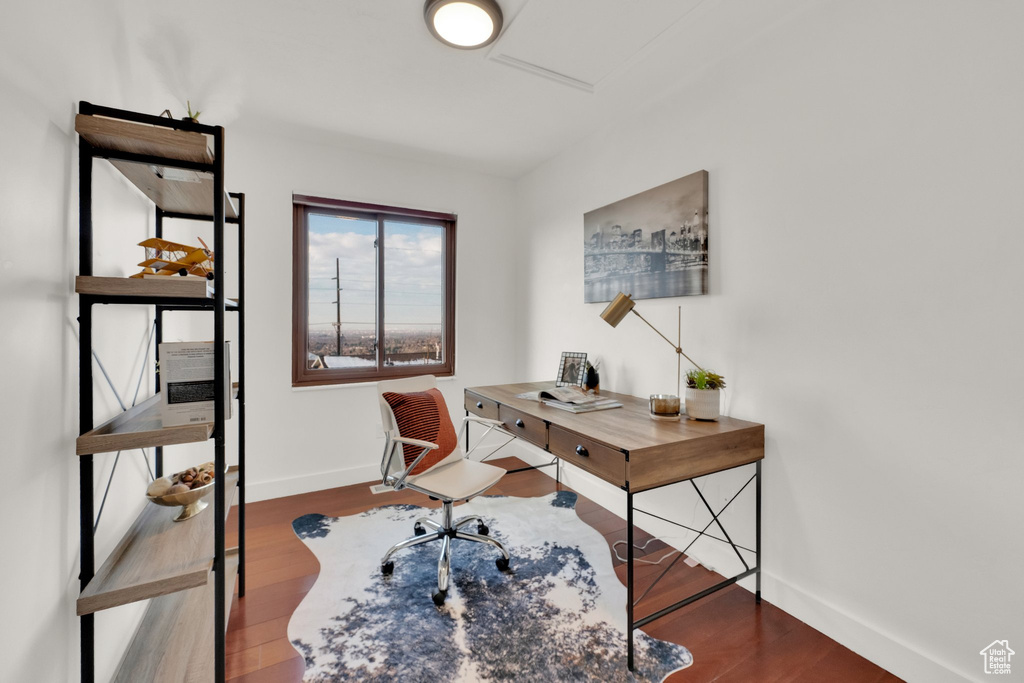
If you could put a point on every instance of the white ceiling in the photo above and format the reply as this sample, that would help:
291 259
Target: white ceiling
368 70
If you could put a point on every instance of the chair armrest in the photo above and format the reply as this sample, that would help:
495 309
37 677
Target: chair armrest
399 483
415 442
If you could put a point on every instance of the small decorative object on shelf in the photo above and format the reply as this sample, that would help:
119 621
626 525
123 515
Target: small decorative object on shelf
703 400
665 407
186 489
572 370
593 381
192 116
170 258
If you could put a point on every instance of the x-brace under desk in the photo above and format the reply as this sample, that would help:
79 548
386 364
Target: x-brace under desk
625 447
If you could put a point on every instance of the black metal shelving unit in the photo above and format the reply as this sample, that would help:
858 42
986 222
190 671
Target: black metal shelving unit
142 147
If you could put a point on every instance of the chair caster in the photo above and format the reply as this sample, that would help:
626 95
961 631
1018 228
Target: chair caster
418 529
502 564
482 529
439 597
388 568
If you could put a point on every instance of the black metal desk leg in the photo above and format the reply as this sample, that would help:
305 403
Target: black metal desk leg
467 432
757 530
629 579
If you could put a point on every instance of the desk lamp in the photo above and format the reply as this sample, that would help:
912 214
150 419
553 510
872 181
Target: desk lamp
622 304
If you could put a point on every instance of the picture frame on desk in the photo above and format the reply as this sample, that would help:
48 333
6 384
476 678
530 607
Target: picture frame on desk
572 370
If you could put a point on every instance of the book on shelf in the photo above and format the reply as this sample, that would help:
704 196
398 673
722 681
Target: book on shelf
588 407
187 383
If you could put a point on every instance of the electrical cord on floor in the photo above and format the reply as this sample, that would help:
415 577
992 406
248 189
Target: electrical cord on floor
667 555
661 559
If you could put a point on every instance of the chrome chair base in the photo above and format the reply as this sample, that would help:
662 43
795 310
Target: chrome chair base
445 531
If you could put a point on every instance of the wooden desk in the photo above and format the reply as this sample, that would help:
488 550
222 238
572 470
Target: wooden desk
626 448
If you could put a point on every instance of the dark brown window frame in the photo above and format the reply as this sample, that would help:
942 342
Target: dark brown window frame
304 376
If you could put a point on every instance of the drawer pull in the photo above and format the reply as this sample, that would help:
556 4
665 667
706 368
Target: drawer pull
582 451
479 404
520 424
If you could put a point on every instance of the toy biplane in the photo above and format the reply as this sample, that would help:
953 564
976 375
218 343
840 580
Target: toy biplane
171 258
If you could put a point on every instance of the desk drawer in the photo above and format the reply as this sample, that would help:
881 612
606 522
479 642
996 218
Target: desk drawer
596 458
528 427
484 407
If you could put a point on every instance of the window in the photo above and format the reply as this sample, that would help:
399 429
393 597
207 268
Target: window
361 312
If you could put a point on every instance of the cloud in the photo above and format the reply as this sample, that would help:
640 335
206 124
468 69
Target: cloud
414 275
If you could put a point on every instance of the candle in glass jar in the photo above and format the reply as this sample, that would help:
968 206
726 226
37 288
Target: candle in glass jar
664 405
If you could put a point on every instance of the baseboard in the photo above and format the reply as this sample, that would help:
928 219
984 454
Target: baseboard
884 649
318 481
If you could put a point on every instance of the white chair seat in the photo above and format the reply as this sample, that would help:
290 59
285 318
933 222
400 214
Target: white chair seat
459 480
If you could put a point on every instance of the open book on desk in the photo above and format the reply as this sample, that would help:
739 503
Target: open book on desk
600 404
571 398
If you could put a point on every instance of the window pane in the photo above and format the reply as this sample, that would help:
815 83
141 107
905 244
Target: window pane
413 294
342 260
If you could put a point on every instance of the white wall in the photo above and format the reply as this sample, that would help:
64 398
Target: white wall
39 376
865 183
309 439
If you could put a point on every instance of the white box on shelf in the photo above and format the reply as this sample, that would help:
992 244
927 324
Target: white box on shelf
187 383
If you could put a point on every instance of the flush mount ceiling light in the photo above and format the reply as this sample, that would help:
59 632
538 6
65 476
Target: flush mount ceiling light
464 24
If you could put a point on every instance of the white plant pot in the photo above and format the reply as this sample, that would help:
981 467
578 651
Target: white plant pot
703 404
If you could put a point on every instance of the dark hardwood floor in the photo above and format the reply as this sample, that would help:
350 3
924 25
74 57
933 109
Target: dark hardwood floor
731 637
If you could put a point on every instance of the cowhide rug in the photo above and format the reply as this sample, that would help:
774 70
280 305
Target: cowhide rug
558 615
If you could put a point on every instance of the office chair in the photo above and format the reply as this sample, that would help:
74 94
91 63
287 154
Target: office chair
435 465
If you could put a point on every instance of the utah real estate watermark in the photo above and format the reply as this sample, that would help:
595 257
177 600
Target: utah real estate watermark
997 657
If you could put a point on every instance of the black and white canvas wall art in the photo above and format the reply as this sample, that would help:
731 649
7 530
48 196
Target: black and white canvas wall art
651 245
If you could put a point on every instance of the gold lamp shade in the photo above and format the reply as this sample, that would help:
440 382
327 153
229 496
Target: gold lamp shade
620 306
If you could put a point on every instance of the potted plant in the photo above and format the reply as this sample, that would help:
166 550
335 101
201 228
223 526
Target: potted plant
193 116
703 399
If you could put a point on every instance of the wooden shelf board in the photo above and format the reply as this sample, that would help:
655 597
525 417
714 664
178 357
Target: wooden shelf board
157 556
170 286
231 482
139 427
178 196
230 579
140 138
174 641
